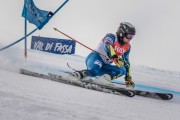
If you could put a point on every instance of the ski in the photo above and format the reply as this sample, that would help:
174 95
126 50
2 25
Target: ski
123 91
89 84
149 94
156 95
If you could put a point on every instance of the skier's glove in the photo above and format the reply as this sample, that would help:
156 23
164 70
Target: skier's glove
118 61
112 55
129 82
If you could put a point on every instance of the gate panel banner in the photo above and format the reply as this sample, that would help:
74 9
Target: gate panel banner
53 45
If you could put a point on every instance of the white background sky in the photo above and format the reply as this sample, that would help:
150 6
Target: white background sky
156 21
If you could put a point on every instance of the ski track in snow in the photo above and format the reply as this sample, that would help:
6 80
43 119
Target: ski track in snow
25 97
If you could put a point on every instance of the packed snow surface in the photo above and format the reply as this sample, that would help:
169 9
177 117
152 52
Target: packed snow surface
25 97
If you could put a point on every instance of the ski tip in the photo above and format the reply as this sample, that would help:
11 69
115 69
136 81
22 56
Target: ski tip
169 96
165 96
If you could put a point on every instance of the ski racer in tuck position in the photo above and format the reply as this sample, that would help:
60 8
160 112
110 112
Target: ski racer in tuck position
114 48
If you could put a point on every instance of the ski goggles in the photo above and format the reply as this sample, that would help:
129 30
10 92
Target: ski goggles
129 36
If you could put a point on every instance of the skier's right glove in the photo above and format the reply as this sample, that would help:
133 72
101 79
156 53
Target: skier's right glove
112 55
118 61
129 82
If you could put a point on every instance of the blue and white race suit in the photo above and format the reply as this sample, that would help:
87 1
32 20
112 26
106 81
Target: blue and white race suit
98 65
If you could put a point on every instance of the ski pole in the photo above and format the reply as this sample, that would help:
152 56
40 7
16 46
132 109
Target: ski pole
86 46
80 43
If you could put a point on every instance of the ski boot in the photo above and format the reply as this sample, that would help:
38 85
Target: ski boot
80 74
129 83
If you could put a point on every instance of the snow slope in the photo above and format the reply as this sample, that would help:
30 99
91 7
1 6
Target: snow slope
28 98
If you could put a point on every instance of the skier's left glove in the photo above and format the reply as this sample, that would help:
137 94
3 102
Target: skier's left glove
129 82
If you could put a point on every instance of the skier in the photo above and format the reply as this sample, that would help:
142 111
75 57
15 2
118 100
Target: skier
114 48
